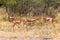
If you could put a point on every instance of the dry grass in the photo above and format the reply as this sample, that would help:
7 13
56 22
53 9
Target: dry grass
36 30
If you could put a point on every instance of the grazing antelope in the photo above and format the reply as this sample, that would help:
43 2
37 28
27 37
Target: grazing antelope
50 20
29 21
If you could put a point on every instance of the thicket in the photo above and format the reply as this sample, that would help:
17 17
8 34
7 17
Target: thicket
35 7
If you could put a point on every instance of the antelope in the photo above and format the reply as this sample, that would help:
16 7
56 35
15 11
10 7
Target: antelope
14 20
29 20
50 20
11 18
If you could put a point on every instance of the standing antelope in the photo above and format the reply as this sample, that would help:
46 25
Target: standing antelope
14 20
50 20
11 18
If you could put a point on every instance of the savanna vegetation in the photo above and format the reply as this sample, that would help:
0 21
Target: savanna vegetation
24 7
35 15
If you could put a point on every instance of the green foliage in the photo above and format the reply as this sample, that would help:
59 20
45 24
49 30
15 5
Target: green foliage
8 1
12 2
24 6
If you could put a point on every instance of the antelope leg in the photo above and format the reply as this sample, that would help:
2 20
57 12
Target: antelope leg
14 26
53 25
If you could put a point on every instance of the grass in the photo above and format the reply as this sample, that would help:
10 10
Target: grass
35 30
